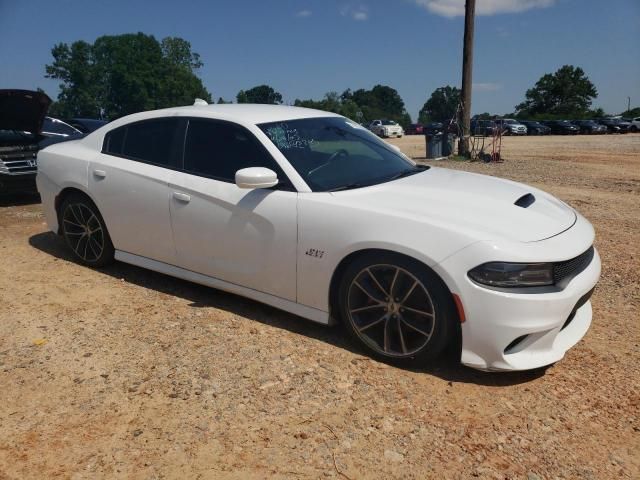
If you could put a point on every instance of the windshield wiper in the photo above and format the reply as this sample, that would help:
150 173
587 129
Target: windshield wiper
406 173
348 186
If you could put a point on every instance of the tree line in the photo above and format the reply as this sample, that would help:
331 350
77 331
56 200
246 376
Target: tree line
122 74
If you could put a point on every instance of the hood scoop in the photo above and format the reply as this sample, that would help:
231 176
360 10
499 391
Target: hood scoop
525 200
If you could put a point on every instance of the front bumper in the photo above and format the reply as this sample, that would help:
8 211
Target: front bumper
520 331
18 183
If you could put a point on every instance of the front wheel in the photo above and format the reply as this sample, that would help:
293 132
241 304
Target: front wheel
396 308
85 232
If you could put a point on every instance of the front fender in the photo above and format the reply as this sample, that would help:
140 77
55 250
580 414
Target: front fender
329 232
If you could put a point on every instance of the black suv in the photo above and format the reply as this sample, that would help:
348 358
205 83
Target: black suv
535 128
485 128
562 127
615 125
589 126
21 117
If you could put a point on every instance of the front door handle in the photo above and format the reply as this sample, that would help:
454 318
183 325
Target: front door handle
182 197
99 173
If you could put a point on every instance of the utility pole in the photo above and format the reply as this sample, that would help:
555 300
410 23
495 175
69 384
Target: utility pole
467 74
628 104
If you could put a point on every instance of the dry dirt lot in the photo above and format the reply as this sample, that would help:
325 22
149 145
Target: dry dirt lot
125 373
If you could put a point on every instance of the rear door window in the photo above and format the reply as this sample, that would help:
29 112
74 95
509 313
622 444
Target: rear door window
151 141
148 141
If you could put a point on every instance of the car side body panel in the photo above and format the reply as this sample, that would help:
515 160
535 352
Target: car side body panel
246 237
133 198
61 166
329 231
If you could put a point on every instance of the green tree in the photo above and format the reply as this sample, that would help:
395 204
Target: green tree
633 113
441 106
568 93
260 94
122 74
381 102
332 102
484 116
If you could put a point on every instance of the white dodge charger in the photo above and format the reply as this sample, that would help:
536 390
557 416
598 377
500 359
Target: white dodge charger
311 213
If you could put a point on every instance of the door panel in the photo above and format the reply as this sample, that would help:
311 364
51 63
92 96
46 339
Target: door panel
133 198
246 237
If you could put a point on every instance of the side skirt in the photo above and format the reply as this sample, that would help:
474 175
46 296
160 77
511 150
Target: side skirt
277 302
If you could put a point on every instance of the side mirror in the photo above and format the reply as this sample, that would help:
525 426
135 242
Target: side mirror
256 177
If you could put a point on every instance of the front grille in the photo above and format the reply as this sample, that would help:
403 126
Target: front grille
18 160
565 271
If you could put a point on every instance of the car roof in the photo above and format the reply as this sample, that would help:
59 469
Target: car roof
244 113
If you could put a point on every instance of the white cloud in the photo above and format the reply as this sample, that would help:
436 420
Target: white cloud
455 8
487 87
304 13
359 13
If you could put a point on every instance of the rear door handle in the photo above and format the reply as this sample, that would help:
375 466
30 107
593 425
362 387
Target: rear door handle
99 173
182 197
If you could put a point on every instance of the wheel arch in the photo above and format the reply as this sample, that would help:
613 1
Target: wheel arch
334 284
64 193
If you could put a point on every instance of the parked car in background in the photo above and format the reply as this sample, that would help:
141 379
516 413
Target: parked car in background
86 125
414 129
308 212
483 127
511 126
589 126
22 114
433 128
562 127
615 125
635 124
53 127
535 128
386 128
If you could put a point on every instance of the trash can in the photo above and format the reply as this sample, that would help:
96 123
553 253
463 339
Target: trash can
448 144
433 144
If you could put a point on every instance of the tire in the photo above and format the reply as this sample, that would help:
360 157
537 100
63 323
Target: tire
409 329
634 129
85 232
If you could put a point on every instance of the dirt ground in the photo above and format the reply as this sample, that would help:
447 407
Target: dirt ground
125 373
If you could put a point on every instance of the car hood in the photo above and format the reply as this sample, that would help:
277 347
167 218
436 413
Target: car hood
479 204
23 110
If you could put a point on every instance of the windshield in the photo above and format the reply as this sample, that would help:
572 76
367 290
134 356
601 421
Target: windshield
388 122
336 154
57 127
511 122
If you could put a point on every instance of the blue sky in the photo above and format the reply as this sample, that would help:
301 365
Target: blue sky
304 48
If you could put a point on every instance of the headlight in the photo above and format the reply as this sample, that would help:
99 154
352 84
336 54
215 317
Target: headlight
510 275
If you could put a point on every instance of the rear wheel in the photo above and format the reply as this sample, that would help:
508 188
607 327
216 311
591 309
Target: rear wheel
396 308
85 232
